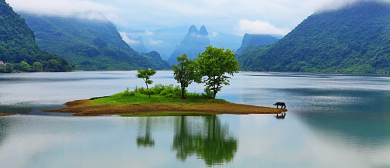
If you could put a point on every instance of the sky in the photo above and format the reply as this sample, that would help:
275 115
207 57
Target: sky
219 16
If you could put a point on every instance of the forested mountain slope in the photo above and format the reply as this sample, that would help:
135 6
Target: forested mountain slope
17 43
88 44
355 38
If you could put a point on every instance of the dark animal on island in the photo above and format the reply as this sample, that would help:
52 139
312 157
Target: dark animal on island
281 104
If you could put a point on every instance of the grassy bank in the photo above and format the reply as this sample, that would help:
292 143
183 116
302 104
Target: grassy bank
165 101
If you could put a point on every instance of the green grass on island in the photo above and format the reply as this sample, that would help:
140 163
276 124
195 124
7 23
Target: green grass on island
164 100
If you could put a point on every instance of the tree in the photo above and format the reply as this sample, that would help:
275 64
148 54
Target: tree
213 64
9 68
38 67
145 75
184 72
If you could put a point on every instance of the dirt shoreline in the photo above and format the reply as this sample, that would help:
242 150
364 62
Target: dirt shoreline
4 114
86 108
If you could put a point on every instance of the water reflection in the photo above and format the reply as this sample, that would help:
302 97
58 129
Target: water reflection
281 116
144 138
4 124
213 143
362 115
15 109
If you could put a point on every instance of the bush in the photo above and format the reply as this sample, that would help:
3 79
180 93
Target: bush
163 90
208 94
128 93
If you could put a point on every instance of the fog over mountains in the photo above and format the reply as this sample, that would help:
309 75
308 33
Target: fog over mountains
194 42
164 41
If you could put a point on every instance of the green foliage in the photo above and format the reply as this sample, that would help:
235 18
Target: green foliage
38 67
208 94
145 75
161 90
214 64
128 93
185 72
17 43
355 39
171 94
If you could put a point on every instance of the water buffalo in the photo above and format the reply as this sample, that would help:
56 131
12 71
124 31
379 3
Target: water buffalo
281 104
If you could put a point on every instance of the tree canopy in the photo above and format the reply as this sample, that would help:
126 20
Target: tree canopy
145 75
184 72
214 65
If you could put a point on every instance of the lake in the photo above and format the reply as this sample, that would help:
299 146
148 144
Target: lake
334 120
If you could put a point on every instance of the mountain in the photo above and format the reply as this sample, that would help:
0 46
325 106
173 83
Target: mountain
139 45
161 40
256 40
153 56
17 43
355 38
193 43
226 41
87 43
165 40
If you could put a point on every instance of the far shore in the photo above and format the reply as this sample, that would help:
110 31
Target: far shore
95 107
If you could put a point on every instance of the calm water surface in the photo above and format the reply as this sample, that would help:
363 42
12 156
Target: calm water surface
334 120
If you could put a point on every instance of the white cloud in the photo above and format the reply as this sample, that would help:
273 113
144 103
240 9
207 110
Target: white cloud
155 42
127 39
74 8
149 33
259 27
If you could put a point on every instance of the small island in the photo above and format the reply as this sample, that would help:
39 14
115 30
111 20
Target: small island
211 67
164 101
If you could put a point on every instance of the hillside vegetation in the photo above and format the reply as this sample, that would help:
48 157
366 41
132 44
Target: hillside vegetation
355 38
17 44
88 44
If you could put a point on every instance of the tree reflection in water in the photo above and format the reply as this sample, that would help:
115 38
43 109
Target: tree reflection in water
4 125
144 138
211 143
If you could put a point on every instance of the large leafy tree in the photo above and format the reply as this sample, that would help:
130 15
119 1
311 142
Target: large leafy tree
184 72
145 75
214 64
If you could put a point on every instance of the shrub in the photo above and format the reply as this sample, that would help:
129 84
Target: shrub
208 94
163 90
128 93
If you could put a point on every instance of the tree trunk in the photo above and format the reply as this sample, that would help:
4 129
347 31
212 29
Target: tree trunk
147 88
183 92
